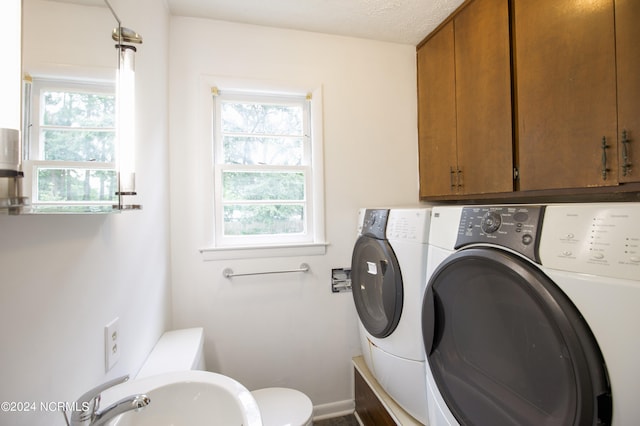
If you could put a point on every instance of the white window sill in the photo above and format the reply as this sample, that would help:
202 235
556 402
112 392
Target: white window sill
252 252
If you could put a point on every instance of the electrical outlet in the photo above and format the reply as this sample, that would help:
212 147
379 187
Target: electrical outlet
111 344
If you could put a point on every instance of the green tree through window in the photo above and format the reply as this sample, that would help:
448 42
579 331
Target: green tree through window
74 143
263 164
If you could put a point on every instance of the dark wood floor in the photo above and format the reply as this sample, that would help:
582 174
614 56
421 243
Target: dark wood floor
349 420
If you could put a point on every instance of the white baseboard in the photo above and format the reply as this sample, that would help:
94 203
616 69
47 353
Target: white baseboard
333 409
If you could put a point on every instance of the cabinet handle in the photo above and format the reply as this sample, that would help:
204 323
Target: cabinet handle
604 158
626 165
460 179
451 178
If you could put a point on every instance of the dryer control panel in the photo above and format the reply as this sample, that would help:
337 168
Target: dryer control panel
514 227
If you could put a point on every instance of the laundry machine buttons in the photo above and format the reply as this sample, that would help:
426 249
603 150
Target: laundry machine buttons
491 222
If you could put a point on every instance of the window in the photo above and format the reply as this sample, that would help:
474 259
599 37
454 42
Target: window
71 144
267 189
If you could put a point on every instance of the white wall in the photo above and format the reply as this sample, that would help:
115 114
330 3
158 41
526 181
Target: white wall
10 31
288 330
62 278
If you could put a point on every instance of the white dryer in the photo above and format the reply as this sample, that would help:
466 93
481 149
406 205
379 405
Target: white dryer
531 315
388 270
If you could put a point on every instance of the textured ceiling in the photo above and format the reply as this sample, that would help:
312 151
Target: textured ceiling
399 21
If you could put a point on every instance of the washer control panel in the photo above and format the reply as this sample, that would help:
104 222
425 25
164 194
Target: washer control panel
410 225
374 223
515 227
599 239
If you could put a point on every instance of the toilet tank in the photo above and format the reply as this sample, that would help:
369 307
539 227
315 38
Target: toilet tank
176 350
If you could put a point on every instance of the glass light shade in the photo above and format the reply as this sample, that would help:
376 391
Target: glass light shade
125 94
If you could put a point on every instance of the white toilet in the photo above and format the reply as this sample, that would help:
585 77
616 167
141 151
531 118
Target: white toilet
181 350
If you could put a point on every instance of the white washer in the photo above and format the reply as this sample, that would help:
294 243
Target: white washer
388 270
531 315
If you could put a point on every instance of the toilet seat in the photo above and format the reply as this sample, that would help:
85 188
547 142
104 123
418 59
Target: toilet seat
283 407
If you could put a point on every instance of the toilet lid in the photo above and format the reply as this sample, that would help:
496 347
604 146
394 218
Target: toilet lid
283 406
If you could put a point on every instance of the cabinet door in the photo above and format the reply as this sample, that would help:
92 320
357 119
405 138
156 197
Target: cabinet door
437 114
566 93
628 66
483 97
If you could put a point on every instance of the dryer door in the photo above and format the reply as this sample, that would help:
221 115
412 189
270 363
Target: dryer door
506 346
376 284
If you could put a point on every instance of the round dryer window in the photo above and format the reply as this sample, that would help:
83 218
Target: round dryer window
377 285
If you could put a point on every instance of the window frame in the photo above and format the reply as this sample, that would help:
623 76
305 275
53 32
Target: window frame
217 247
220 167
34 146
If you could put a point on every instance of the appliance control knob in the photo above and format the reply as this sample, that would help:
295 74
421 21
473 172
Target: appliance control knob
491 222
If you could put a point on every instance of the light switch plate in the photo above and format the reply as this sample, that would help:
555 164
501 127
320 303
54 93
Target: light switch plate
111 343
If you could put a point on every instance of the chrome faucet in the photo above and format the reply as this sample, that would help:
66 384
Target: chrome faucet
86 411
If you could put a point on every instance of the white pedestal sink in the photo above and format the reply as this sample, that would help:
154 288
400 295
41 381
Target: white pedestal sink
186 398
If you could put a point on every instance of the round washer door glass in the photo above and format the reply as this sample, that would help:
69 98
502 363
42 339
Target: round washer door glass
506 346
376 284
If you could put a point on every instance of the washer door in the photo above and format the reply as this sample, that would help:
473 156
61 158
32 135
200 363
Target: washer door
376 285
506 346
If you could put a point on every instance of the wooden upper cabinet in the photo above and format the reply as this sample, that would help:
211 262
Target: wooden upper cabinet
628 67
437 114
483 97
464 104
566 93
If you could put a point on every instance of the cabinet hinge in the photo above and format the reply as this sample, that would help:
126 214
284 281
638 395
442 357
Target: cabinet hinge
516 173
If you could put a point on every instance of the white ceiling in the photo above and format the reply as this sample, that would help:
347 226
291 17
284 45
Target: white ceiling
399 21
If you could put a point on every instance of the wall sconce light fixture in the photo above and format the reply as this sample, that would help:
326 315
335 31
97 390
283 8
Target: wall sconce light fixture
125 113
